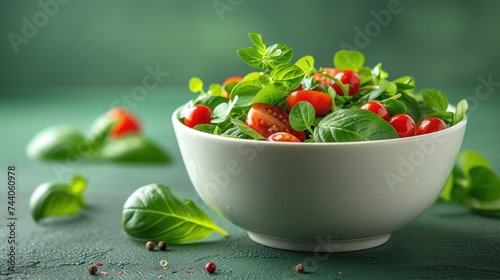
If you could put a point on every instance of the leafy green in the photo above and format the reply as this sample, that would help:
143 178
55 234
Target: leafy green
58 143
348 60
347 125
247 130
435 99
302 116
154 213
57 199
394 107
462 107
133 148
473 184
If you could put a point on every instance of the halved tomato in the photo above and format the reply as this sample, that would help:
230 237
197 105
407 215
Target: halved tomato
267 119
282 137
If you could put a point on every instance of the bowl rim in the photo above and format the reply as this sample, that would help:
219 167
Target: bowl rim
177 122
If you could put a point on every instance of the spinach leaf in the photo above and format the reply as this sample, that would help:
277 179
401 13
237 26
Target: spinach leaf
154 213
462 107
247 130
347 125
133 148
394 107
58 143
435 99
57 199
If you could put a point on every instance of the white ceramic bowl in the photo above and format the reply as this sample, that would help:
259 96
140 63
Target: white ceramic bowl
319 196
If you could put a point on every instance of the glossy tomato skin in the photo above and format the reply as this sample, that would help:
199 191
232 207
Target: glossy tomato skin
282 137
377 108
267 119
430 125
198 114
126 123
321 102
227 81
349 78
403 124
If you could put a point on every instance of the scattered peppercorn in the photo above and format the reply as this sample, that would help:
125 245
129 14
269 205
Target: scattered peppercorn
99 263
150 245
162 245
92 269
299 268
210 267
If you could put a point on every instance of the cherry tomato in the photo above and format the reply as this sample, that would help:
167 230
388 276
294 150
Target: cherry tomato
282 137
403 124
267 119
126 123
321 102
429 125
349 78
198 114
324 81
227 81
377 108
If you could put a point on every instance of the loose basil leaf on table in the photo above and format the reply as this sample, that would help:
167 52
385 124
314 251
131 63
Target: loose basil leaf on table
57 199
57 143
348 125
154 213
133 148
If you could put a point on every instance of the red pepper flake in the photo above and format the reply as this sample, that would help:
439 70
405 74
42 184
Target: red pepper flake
188 271
104 273
99 263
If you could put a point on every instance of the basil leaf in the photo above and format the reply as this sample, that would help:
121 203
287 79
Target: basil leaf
379 73
435 99
100 129
405 83
373 94
247 130
133 148
471 159
270 94
251 57
154 213
302 116
287 72
349 125
348 60
57 199
208 128
484 184
390 87
412 108
257 42
234 132
195 85
394 107
447 117
276 55
215 90
462 107
305 63
246 92
57 143
221 112
211 101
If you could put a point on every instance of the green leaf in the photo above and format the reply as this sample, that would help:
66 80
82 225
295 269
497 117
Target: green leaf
484 184
412 108
394 107
348 60
435 99
195 84
215 90
100 129
270 94
462 107
222 111
349 125
373 94
276 55
208 128
379 73
155 213
246 92
447 117
251 57
257 42
287 72
247 130
405 83
470 159
61 142
57 199
302 116
234 132
390 87
305 63
133 148
210 101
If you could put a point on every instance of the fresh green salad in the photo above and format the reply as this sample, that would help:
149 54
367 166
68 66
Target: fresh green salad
299 102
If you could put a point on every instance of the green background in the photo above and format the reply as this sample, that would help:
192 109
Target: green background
109 43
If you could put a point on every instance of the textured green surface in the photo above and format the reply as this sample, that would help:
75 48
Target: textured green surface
446 242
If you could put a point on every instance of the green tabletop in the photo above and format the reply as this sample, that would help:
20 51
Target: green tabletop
447 241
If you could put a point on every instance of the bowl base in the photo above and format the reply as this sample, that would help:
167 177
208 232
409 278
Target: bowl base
320 245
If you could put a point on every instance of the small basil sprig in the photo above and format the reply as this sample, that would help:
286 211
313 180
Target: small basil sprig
154 213
473 184
57 199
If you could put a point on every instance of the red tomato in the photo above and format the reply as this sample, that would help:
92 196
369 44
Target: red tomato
126 123
227 81
282 137
349 78
324 81
403 124
377 108
267 119
429 125
321 102
198 114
